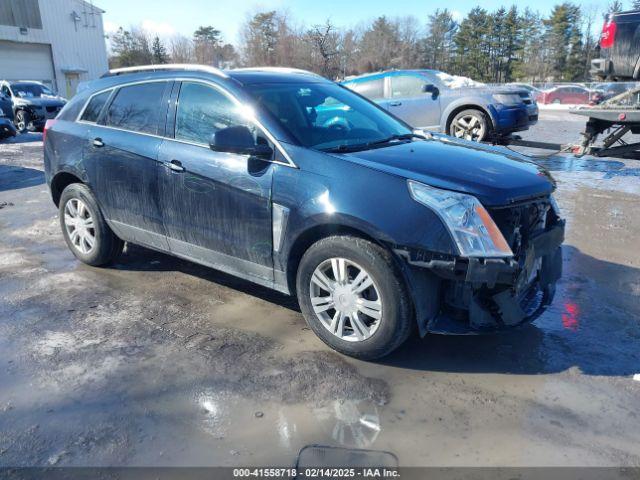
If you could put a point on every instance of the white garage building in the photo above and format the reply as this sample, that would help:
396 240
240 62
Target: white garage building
57 42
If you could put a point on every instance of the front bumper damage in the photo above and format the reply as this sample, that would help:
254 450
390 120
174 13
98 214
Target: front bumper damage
477 295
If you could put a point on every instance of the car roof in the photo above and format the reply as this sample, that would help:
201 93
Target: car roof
248 76
387 73
243 76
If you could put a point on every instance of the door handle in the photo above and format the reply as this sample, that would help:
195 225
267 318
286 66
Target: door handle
395 104
175 166
97 142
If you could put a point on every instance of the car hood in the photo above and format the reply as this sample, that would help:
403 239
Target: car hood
493 176
42 101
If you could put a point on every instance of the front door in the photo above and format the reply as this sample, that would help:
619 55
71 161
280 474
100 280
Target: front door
409 101
121 155
216 206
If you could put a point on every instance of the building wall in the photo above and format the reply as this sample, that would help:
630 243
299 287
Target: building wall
76 45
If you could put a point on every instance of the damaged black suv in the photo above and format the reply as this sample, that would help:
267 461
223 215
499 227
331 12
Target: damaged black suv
293 182
32 104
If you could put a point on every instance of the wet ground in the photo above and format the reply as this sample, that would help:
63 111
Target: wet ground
157 361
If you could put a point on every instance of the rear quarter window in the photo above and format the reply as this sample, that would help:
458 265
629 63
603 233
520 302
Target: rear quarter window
95 106
72 109
371 89
137 108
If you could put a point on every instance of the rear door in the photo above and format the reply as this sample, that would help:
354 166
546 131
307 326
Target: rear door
121 155
409 101
216 206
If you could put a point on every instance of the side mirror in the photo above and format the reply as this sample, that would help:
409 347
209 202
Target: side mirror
432 89
238 139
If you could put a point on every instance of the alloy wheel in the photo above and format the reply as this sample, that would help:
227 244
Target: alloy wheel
468 127
21 121
80 226
345 299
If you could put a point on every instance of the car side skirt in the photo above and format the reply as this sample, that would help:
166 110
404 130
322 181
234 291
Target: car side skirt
244 269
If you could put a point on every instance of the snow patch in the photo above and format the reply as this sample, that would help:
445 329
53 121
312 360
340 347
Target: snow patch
456 81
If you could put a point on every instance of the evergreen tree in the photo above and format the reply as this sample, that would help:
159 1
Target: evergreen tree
130 48
260 39
207 42
159 51
437 46
615 6
471 45
380 46
564 40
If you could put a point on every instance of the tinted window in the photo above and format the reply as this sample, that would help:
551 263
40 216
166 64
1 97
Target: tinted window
324 115
137 108
202 111
6 91
72 109
92 112
407 86
371 89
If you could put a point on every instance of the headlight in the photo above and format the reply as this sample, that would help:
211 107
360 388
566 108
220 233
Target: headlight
554 206
508 98
471 226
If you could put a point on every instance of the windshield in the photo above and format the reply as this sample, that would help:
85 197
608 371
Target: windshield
26 90
325 116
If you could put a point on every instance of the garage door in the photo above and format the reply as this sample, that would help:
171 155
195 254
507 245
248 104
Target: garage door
26 61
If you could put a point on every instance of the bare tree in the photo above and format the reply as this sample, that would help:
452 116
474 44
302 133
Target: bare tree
181 49
323 40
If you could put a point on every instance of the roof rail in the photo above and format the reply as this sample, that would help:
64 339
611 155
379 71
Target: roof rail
276 70
163 67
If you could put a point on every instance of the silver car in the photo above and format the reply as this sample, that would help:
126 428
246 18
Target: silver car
458 106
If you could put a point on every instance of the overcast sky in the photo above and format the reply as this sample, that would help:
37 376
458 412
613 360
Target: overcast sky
168 17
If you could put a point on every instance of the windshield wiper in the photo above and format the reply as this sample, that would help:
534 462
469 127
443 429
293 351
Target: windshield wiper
363 146
404 136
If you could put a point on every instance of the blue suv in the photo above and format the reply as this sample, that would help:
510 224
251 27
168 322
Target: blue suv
458 106
374 227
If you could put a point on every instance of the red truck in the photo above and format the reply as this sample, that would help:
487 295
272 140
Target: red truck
619 57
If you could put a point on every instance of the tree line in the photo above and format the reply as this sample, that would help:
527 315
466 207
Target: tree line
504 45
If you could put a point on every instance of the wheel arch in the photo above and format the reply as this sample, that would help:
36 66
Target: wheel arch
468 106
59 182
313 234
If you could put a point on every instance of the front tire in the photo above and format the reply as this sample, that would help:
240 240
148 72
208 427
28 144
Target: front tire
470 124
22 121
353 297
84 228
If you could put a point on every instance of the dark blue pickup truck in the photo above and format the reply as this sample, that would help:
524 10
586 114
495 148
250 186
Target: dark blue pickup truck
619 57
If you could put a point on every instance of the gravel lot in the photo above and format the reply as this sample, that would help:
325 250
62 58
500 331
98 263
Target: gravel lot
157 361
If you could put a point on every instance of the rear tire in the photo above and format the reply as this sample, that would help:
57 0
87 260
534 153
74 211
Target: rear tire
368 324
84 228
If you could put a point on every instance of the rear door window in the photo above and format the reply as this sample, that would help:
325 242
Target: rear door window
92 112
372 89
137 108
